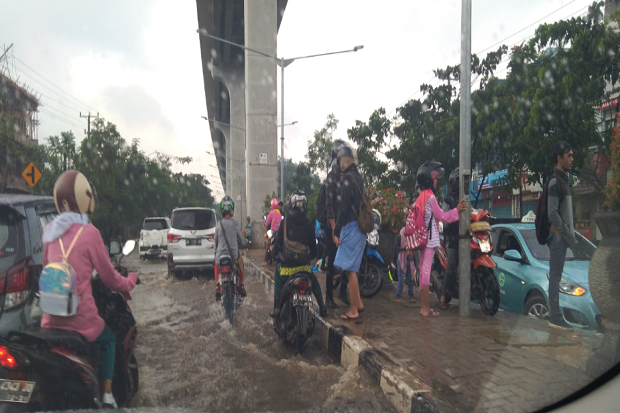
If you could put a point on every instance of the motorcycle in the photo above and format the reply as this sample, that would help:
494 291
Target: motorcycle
484 285
270 235
370 275
294 324
229 279
51 369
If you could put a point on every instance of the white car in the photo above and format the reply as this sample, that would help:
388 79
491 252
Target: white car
191 239
154 237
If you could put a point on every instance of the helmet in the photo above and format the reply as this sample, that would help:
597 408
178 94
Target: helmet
347 156
454 181
335 166
227 206
274 203
74 193
376 217
337 145
428 172
299 201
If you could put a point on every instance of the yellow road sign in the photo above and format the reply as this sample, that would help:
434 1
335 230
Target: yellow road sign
31 174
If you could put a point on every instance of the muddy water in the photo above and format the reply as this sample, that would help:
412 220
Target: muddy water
190 358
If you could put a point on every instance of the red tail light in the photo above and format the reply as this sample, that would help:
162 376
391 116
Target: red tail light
6 359
173 238
225 269
302 284
210 237
18 281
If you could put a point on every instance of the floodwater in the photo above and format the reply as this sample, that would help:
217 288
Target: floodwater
190 358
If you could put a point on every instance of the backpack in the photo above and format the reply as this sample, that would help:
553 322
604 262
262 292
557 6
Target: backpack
294 252
365 221
416 233
58 285
542 222
321 210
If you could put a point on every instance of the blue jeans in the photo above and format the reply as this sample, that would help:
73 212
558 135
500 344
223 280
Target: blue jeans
402 277
557 256
107 343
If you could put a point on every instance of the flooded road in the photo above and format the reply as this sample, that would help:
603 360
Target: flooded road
190 358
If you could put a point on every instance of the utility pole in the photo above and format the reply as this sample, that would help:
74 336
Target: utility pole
465 161
89 116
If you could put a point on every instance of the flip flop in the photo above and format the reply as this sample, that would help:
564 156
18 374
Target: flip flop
413 300
348 318
432 313
399 300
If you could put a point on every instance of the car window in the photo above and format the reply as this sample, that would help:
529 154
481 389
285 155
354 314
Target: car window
193 219
583 251
151 224
507 241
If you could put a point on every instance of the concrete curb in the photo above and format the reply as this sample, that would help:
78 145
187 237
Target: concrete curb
407 393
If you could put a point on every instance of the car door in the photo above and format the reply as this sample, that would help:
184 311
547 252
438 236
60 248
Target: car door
510 274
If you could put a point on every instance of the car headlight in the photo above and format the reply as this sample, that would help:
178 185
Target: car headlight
570 288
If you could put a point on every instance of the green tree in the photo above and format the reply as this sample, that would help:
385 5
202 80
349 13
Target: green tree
320 148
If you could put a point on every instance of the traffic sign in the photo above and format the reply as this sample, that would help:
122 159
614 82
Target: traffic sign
31 174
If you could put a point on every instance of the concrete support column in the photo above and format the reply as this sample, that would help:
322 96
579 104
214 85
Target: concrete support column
233 78
261 30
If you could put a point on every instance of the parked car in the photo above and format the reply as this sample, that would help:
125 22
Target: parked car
154 237
191 240
22 220
523 275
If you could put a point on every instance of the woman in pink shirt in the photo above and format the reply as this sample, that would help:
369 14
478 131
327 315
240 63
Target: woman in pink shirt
273 222
75 199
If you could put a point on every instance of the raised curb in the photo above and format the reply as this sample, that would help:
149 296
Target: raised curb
407 393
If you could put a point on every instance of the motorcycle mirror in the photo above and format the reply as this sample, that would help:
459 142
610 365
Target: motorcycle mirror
114 247
129 247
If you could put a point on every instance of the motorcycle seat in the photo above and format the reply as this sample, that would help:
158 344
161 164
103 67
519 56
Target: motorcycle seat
54 337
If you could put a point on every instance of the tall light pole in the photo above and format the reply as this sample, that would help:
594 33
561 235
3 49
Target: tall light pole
465 161
282 62
282 150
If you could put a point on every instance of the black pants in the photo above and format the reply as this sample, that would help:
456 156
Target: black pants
452 271
330 256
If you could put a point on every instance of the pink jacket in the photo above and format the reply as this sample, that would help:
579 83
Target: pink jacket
88 253
274 219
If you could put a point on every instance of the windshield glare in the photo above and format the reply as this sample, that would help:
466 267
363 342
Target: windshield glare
195 219
584 250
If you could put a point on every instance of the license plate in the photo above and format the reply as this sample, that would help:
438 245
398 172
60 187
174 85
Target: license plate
193 242
16 391
300 299
154 252
485 246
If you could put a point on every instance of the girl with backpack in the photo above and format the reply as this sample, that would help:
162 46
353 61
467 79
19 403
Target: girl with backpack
427 178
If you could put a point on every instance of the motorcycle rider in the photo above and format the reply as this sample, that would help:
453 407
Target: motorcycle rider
228 228
75 199
298 229
273 222
451 236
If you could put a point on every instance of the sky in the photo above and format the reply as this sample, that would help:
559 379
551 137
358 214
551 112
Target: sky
137 63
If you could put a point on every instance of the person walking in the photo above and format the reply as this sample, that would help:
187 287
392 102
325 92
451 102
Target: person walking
427 177
562 233
348 237
405 265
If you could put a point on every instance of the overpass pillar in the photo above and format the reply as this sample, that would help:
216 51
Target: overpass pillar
261 28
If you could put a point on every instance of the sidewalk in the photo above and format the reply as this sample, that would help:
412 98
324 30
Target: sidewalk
504 363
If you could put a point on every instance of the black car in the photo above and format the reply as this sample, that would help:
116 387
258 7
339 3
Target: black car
22 220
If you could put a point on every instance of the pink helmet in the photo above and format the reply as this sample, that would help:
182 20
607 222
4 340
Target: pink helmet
274 203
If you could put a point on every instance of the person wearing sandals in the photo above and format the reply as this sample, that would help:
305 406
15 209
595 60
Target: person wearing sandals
348 237
405 264
427 177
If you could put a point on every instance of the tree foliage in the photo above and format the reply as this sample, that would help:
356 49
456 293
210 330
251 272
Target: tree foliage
320 148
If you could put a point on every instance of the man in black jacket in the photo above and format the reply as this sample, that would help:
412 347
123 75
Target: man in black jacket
451 237
298 229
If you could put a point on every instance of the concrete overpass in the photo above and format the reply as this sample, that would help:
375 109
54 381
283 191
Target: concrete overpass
239 112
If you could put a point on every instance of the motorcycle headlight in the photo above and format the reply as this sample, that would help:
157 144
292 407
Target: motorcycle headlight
570 288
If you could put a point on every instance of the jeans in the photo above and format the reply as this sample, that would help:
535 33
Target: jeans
557 256
402 277
107 343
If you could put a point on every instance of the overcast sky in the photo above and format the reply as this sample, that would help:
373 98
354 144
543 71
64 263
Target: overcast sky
137 63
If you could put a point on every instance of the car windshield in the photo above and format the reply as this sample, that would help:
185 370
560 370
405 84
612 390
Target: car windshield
150 224
583 252
193 219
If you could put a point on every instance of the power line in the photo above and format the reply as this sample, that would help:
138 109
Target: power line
60 118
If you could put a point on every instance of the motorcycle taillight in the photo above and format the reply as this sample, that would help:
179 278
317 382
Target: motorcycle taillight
6 359
302 283
225 269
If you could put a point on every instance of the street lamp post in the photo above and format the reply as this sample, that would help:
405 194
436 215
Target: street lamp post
282 146
282 62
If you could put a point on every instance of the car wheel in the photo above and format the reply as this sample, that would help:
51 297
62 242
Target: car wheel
536 306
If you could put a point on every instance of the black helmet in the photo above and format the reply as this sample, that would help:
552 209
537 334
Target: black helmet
427 173
299 201
335 166
454 181
338 143
227 206
347 156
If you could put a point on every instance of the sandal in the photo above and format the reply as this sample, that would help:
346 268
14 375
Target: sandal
432 313
347 317
413 300
442 303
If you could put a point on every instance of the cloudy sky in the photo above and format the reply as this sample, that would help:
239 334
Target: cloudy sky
137 63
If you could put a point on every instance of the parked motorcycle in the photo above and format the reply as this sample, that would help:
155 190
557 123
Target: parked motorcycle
51 369
484 285
229 279
294 324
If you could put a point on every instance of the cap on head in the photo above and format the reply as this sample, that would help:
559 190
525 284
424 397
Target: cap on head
73 193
